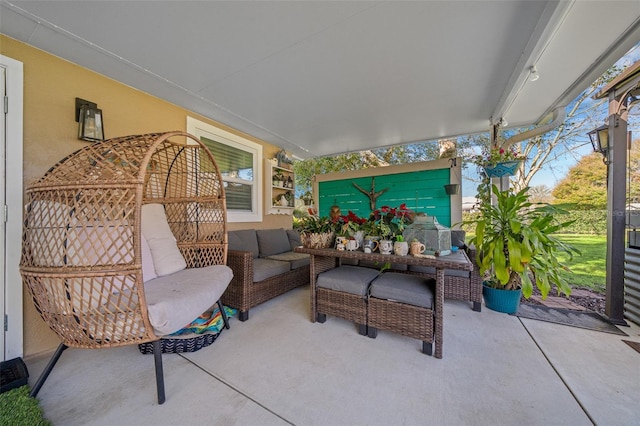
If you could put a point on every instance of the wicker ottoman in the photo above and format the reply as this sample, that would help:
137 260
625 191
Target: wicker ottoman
403 304
342 292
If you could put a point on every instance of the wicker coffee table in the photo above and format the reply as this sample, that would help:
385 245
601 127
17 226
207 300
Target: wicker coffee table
326 259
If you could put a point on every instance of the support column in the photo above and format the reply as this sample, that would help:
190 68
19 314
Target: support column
616 204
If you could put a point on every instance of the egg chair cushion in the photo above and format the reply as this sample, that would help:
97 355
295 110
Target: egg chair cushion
175 300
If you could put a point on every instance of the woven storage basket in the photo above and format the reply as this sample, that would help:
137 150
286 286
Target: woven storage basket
181 344
316 241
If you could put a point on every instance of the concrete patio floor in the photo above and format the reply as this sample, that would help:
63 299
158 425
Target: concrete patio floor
279 368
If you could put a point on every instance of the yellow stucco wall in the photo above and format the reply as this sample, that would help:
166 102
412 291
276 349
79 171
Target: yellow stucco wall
51 85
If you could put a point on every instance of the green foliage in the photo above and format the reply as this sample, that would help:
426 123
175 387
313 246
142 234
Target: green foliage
411 153
587 222
18 408
391 221
349 224
585 186
313 224
514 241
589 269
305 170
593 222
423 151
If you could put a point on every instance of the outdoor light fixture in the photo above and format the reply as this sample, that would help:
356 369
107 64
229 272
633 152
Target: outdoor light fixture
90 123
533 74
600 140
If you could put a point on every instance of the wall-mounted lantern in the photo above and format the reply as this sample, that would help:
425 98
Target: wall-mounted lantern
90 122
600 141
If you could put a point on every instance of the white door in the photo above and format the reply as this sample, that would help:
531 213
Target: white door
3 160
11 79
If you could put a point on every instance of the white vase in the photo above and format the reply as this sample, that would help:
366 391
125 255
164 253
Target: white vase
386 246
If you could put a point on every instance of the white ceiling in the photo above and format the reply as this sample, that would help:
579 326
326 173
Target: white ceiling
326 77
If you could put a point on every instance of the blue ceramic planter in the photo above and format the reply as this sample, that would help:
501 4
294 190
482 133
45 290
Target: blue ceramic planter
500 300
506 168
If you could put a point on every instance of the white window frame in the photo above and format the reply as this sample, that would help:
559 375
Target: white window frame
201 129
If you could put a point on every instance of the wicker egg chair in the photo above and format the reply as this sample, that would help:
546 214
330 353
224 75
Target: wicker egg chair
81 253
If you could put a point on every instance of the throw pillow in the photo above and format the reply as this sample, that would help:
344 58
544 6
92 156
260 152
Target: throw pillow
167 258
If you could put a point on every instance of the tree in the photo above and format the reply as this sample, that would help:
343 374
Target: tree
540 194
411 153
585 186
306 169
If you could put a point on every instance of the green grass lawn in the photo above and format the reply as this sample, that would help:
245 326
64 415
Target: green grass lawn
588 269
17 408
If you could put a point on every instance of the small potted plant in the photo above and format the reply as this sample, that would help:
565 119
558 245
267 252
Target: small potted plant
515 248
400 246
349 226
315 231
391 222
307 198
278 179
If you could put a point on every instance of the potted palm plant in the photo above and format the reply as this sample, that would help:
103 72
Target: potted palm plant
516 248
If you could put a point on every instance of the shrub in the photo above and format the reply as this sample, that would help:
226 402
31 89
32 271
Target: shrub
591 222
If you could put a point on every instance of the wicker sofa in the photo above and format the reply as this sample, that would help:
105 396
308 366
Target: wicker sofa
264 266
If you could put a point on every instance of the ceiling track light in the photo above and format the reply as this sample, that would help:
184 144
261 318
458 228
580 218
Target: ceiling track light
533 74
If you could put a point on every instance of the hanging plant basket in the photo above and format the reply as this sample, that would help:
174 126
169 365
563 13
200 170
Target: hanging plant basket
505 168
452 188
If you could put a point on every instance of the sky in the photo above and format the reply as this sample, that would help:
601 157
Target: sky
551 174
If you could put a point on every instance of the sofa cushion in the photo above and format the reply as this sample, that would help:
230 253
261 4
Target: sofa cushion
297 260
294 239
349 279
272 241
244 240
175 300
267 268
405 288
167 258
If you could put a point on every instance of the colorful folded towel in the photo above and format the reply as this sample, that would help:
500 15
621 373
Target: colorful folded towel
209 322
